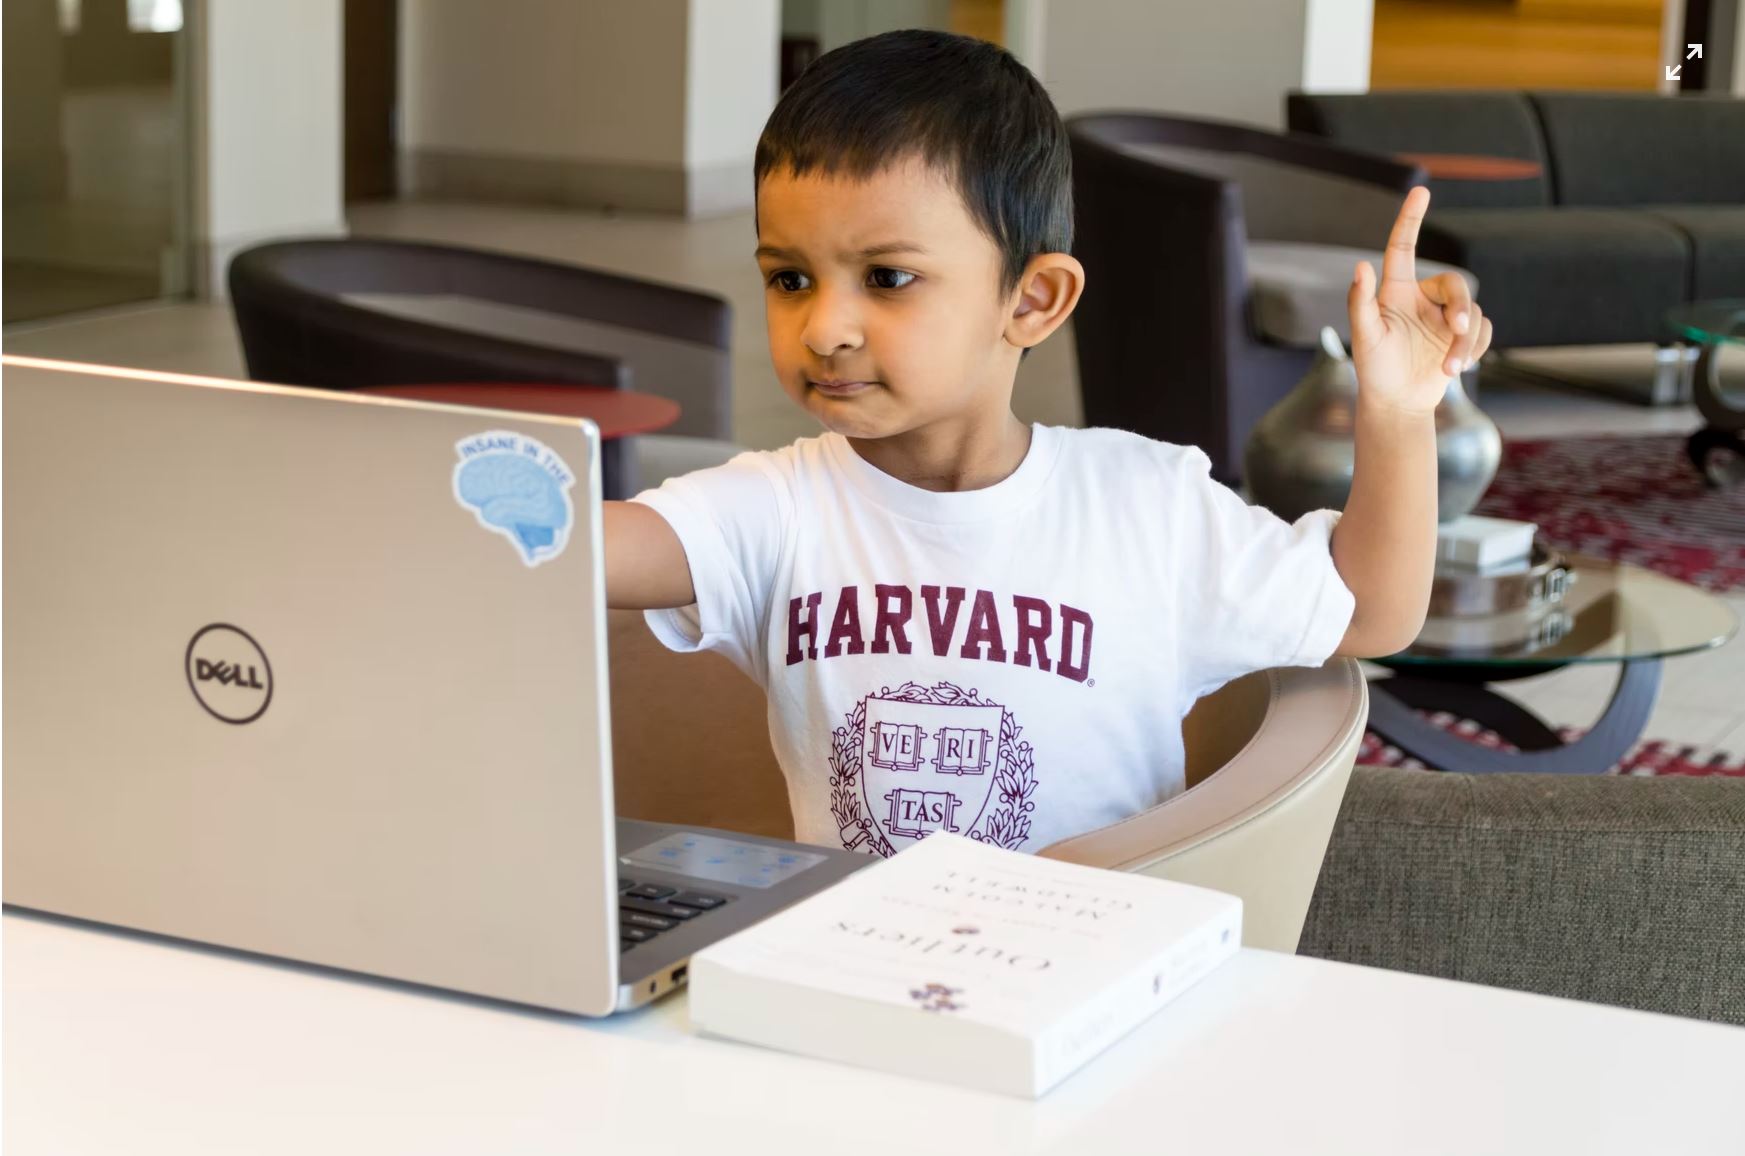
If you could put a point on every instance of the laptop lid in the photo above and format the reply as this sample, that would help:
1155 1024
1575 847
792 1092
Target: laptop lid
310 674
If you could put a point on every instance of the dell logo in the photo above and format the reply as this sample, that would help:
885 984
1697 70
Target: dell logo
229 674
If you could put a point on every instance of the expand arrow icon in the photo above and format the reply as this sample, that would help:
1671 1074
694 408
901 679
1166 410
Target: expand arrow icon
1695 53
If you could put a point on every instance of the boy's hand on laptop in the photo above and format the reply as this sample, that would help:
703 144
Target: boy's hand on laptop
1408 337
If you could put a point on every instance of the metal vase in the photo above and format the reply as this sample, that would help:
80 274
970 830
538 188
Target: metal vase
1299 456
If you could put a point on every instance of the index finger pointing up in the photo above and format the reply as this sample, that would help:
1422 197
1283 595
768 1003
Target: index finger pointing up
1397 263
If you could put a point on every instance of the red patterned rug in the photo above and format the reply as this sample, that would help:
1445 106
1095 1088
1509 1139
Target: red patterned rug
1648 757
1630 499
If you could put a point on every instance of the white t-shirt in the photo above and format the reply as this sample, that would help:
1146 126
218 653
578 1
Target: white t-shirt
1010 663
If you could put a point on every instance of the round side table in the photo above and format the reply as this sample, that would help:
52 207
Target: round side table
1612 613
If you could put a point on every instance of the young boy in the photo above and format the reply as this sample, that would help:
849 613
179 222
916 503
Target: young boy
963 622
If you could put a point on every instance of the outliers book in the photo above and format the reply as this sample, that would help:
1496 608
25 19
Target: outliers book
964 963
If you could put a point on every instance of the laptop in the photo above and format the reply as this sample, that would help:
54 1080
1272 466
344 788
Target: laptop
324 677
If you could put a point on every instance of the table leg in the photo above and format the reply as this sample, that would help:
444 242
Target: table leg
1722 410
1720 472
1597 751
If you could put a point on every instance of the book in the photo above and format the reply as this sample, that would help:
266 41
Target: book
964 963
1480 543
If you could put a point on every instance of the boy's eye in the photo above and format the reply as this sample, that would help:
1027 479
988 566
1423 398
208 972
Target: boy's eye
793 281
882 278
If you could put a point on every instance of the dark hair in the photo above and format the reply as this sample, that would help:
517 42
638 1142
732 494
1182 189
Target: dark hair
963 105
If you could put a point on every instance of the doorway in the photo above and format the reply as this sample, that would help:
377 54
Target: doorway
372 81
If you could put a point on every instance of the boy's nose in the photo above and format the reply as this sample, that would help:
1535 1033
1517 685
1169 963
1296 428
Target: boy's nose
831 326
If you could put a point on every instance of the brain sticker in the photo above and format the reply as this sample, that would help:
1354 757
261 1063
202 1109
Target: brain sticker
519 488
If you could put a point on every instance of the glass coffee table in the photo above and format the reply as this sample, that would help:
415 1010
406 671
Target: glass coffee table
1611 613
1718 449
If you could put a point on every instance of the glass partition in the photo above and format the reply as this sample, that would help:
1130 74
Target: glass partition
96 155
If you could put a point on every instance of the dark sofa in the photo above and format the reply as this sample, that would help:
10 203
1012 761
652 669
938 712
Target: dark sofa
1640 205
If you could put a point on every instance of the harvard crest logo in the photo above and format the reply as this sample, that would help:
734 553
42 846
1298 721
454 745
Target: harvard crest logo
913 761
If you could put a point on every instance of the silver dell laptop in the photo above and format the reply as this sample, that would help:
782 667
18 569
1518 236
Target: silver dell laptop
324 677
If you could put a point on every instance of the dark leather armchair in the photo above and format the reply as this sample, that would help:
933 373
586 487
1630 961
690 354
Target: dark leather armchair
344 313
1214 253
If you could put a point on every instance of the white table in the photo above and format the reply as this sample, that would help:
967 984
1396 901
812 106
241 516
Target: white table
116 1042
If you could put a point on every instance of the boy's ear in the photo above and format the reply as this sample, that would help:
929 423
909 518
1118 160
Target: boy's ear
1047 292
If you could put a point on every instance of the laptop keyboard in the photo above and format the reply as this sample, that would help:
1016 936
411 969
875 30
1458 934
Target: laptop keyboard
647 909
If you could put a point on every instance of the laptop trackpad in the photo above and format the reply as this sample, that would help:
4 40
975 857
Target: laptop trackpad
719 860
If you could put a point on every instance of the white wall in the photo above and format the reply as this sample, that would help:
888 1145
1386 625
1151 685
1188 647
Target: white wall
731 77
1024 26
595 80
640 103
1231 60
842 21
1338 35
268 134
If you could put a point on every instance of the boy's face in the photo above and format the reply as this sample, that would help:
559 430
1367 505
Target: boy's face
886 285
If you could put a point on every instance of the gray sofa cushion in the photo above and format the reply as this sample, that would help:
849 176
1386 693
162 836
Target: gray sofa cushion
1294 289
1717 238
1565 276
1615 890
1636 149
1501 124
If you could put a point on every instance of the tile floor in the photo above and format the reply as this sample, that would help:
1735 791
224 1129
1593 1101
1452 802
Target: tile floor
1702 701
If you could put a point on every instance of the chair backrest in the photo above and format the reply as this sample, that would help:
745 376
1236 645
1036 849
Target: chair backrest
1303 189
690 737
1498 124
1258 825
1268 757
345 313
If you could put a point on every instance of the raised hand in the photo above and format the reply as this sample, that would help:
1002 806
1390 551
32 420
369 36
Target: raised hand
1408 337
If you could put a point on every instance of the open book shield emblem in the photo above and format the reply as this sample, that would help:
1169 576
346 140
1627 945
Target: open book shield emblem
928 767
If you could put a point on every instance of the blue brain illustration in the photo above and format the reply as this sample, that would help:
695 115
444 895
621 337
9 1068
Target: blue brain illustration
513 494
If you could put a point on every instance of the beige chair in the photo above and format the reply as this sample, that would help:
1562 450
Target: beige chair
1268 757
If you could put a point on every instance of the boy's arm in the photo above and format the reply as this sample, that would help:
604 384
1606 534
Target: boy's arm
1408 337
1384 546
646 568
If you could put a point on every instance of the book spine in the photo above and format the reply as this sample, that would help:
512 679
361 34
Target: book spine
1125 1004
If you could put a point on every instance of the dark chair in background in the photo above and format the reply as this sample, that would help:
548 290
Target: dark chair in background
1214 253
345 313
